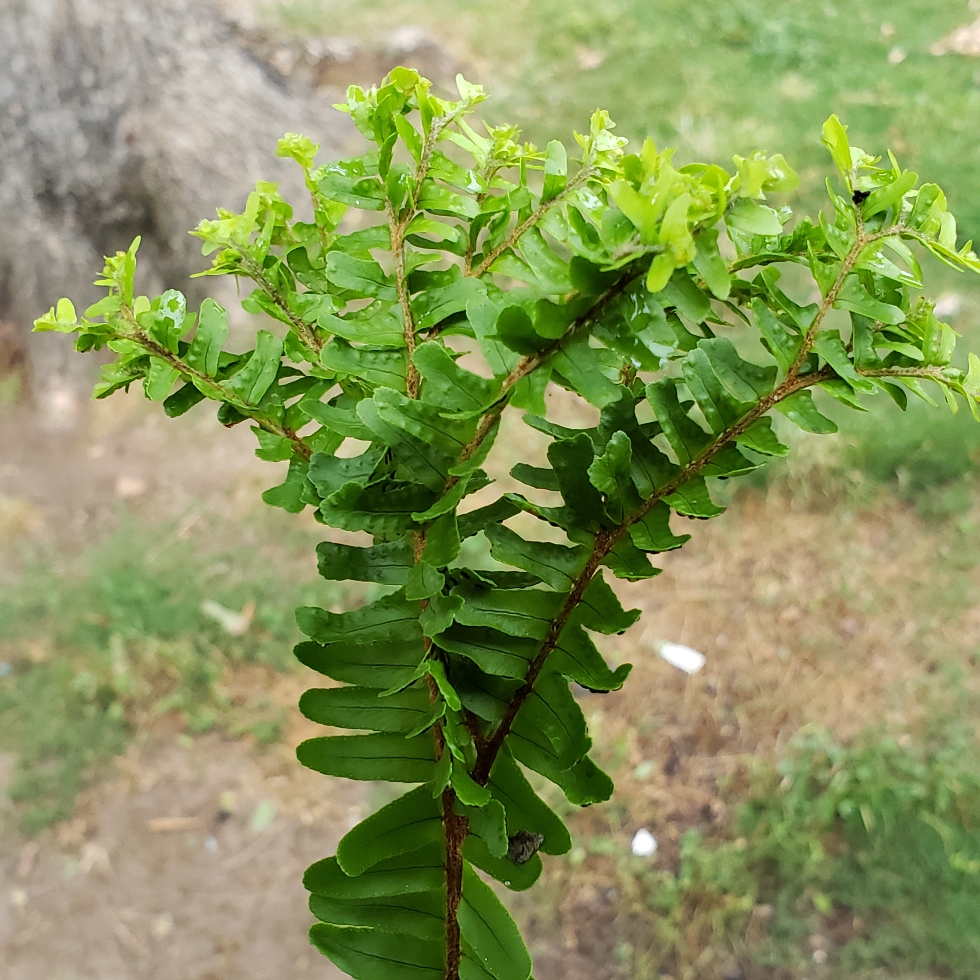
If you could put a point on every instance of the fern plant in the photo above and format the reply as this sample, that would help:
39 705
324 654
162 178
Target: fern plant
653 293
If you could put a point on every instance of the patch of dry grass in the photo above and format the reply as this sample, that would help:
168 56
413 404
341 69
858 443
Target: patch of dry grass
847 619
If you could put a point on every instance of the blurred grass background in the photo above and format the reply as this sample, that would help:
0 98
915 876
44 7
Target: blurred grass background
143 631
852 850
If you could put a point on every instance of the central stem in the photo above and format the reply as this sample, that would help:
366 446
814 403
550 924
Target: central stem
456 828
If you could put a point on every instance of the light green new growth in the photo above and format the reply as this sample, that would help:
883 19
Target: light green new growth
652 292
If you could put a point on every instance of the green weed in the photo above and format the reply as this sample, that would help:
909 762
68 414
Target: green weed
865 857
711 76
923 456
96 649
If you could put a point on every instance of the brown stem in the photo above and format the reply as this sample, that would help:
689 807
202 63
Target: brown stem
486 758
528 223
532 362
302 328
218 393
929 373
405 301
454 826
487 175
847 267
457 828
604 543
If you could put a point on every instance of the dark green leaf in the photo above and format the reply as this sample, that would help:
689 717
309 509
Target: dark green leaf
376 367
425 422
555 171
541 267
653 533
467 790
515 329
431 307
384 509
551 721
341 419
555 564
760 438
683 294
719 408
525 809
419 871
368 954
389 618
438 614
386 564
182 401
529 392
391 663
890 195
489 823
421 914
710 265
442 541
802 316
582 367
494 652
830 347
351 182
577 657
527 613
377 325
782 342
160 380
600 610
686 437
448 501
693 500
585 783
273 448
628 562
363 708
535 476
588 278
419 460
212 332
745 381
517 877
490 932
476 520
403 826
853 296
423 582
362 276
392 758
555 430
571 459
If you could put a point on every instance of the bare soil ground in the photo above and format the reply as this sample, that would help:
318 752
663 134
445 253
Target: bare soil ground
186 864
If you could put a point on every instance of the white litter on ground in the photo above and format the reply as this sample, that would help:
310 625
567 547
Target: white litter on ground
682 657
233 623
964 40
644 843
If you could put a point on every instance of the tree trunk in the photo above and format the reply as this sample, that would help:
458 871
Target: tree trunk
118 118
